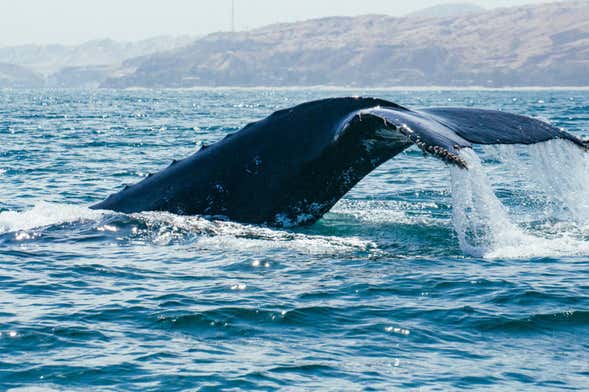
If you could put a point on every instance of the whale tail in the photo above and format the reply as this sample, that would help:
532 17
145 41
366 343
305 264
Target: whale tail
293 166
443 132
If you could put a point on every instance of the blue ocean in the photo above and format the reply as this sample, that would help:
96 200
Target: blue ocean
424 277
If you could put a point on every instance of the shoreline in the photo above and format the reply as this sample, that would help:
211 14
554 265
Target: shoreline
348 88
321 88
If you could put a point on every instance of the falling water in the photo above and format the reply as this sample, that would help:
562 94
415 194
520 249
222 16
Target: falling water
480 219
562 171
484 225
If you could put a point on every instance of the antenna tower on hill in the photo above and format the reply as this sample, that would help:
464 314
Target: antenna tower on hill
233 16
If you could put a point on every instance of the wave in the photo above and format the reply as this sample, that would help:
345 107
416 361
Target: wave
45 214
162 228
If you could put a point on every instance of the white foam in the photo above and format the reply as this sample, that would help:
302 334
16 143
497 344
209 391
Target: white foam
230 235
163 228
44 214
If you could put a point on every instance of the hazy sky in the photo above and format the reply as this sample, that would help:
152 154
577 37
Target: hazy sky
75 21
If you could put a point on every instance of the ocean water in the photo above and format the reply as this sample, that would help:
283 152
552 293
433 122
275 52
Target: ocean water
424 277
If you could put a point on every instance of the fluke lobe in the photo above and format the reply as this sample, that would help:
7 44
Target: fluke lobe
293 166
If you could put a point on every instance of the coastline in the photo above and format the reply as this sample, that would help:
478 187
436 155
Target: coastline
324 88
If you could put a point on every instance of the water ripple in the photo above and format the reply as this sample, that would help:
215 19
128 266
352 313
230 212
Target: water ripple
378 295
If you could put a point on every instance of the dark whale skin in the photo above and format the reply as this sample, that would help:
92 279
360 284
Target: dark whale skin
293 166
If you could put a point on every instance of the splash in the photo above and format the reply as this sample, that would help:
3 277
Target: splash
44 214
556 169
487 228
481 221
161 228
563 172
164 228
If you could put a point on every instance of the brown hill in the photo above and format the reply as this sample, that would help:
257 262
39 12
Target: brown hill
541 45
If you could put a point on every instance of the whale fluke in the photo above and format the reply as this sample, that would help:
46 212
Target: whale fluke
442 132
293 166
481 126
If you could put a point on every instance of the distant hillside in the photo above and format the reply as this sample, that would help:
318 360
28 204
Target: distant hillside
83 65
446 10
15 76
451 45
542 45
